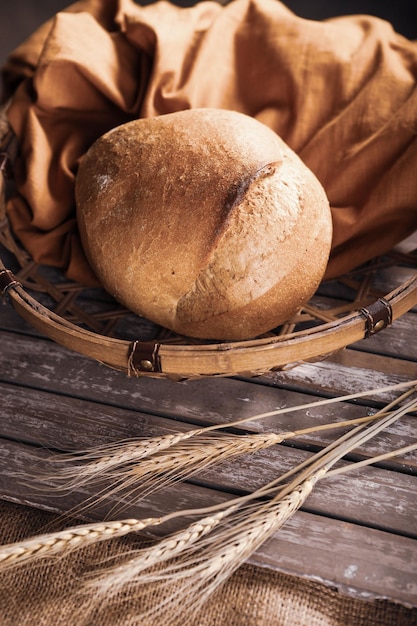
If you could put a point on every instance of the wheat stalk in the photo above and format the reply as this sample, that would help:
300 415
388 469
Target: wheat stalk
205 565
106 460
309 472
182 460
164 550
201 557
136 468
203 561
189 582
375 459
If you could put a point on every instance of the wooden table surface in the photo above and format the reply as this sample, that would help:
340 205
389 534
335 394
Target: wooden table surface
356 532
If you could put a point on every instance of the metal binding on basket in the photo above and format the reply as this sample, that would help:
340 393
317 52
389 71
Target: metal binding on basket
144 358
378 316
7 281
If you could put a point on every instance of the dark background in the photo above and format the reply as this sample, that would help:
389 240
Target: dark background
18 18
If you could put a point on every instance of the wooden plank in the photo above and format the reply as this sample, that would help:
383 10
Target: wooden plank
47 366
29 374
370 563
349 498
359 496
362 562
347 371
66 423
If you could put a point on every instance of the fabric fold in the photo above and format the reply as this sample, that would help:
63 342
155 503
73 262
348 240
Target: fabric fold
340 92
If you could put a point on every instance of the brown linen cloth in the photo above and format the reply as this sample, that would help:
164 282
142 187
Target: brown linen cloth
44 595
342 93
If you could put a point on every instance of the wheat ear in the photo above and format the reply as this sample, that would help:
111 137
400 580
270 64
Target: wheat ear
67 540
166 549
201 564
187 458
81 536
139 475
206 562
181 461
84 535
135 469
103 459
107 460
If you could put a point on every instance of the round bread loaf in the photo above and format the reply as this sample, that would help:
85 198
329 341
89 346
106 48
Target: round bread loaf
203 221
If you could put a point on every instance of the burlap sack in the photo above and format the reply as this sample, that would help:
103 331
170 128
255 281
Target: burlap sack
342 93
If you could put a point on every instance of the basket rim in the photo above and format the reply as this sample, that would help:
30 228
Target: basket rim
255 356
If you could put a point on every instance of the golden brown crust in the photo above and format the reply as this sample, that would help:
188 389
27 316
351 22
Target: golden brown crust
202 221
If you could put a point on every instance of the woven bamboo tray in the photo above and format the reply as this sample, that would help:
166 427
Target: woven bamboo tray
90 323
